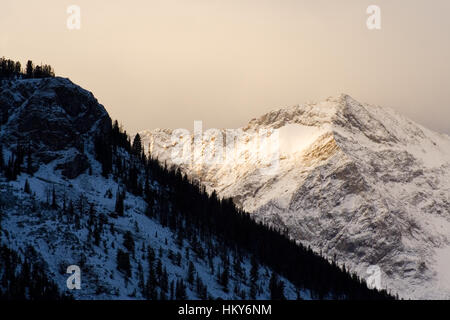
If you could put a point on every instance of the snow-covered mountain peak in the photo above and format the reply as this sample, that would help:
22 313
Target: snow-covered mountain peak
360 183
309 114
353 123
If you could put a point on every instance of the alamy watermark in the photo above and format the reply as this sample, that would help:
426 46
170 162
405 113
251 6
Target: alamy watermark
227 147
74 280
74 19
374 20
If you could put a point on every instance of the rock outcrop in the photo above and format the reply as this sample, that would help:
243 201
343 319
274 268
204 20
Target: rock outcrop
49 116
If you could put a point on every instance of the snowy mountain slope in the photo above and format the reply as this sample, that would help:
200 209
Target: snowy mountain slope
62 244
56 122
359 183
74 191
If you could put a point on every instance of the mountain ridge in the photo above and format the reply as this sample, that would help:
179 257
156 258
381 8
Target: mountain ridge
346 167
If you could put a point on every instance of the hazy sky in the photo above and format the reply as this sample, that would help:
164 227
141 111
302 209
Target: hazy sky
166 63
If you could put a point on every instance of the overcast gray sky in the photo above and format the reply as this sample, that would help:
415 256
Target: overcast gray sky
166 63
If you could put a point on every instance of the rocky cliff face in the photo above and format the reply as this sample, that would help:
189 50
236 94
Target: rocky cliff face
361 184
49 116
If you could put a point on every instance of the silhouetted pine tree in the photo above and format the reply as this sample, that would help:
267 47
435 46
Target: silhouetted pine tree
254 277
54 205
276 288
128 242
123 263
180 290
30 69
26 188
137 145
191 273
2 161
119 203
